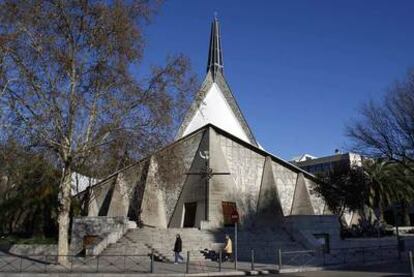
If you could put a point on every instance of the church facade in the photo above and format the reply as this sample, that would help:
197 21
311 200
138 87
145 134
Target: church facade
213 168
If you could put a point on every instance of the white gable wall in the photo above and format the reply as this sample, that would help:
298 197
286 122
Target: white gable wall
214 109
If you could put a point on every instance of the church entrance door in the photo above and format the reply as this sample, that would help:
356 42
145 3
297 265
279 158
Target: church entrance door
190 210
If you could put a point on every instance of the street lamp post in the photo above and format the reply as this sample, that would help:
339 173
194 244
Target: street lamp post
235 219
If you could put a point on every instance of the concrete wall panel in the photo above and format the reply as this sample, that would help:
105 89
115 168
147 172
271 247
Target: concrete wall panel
125 188
99 194
269 207
165 180
317 202
194 188
246 168
285 182
222 187
301 201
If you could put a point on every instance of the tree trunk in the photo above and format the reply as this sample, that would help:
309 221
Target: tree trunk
405 214
381 212
63 216
342 226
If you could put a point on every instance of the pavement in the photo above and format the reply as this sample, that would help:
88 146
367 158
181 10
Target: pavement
395 269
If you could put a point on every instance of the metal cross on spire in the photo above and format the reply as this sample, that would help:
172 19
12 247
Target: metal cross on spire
206 174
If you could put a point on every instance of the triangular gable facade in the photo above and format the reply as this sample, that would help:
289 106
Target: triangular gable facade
214 103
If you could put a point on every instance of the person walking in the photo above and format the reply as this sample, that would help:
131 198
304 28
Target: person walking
177 249
228 248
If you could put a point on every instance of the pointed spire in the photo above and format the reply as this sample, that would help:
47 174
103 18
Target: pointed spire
215 53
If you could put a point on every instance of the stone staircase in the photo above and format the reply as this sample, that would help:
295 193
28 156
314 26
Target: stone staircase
202 244
143 241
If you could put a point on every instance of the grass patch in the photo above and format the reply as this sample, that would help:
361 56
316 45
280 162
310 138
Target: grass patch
13 239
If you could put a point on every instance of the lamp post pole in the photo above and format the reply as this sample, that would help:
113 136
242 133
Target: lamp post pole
235 245
207 188
235 219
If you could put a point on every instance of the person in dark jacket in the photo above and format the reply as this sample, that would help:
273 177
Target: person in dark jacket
177 249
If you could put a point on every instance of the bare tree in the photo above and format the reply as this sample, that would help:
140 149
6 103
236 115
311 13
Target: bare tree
68 84
386 128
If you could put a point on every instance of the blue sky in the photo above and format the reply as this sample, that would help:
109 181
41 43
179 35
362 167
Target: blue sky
299 69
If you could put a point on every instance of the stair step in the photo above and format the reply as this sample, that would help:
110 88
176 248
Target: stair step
142 241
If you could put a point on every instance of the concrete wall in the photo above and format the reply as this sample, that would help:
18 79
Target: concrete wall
101 226
303 227
285 180
165 181
128 189
246 169
301 199
222 187
318 203
100 197
153 204
194 189
269 206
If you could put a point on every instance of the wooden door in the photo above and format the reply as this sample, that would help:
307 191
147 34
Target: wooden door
190 210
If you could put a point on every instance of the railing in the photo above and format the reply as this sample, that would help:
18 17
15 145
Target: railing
361 255
299 258
49 263
340 256
193 262
196 261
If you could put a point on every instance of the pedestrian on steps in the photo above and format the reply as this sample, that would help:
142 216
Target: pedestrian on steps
177 249
228 248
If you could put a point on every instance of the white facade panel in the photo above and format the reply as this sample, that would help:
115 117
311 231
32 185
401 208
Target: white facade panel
214 109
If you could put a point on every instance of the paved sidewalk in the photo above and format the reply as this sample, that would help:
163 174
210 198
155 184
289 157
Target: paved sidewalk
396 269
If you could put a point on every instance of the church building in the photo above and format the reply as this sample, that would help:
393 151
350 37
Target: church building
214 168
